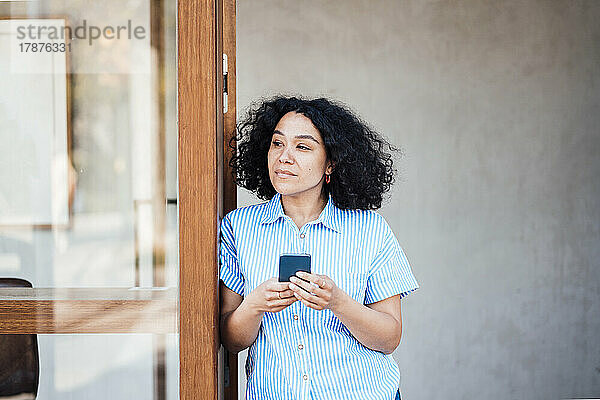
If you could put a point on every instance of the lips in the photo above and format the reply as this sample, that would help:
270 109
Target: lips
283 172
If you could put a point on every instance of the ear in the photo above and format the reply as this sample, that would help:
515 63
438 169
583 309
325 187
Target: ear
329 168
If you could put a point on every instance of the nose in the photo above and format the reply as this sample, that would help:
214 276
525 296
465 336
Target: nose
285 156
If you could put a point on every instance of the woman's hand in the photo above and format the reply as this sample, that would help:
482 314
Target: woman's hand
319 292
271 296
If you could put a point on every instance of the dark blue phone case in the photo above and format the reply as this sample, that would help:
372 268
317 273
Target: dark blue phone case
289 264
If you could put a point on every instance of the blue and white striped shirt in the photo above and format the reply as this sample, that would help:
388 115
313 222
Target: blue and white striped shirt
355 248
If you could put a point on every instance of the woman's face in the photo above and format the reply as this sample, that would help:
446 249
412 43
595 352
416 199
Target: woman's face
297 147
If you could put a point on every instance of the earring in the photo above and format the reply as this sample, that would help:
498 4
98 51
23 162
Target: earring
327 178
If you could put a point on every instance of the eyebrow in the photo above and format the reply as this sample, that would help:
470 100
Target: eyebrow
298 136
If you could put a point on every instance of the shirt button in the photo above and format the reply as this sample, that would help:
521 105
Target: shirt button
296 317
302 236
305 377
300 347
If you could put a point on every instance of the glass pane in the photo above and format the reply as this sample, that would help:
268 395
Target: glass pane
88 199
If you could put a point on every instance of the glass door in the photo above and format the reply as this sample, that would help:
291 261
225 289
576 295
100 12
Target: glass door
89 226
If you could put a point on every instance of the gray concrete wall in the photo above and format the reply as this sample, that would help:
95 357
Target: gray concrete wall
497 106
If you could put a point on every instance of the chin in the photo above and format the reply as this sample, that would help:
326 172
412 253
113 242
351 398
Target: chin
283 190
290 190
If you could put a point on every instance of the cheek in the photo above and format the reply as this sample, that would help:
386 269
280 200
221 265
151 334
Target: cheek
270 157
315 165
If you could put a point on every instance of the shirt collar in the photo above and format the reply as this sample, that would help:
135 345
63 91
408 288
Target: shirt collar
329 216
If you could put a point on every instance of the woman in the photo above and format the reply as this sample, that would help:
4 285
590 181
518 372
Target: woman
328 334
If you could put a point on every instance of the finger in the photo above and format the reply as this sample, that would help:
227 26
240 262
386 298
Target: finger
278 286
272 296
307 276
274 284
287 301
324 282
278 295
315 300
307 286
286 293
279 308
320 280
307 302
282 302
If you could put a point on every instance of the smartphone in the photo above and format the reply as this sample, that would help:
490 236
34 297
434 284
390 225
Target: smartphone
289 264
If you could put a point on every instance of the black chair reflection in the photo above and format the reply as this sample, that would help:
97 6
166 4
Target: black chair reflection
19 359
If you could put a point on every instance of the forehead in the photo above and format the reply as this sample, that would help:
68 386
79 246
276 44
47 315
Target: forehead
293 124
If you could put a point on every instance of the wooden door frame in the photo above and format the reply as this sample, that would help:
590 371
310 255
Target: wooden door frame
200 196
206 190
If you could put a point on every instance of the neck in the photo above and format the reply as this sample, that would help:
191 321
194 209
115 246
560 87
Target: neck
304 207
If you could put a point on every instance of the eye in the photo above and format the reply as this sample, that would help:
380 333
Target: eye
303 147
276 143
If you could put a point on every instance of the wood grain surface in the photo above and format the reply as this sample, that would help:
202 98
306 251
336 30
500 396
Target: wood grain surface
199 99
83 310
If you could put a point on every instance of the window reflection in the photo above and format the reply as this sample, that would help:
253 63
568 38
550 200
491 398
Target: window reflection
89 152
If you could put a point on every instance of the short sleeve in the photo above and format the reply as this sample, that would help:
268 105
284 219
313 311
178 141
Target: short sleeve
229 272
389 273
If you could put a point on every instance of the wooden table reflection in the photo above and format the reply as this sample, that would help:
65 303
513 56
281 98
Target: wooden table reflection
88 310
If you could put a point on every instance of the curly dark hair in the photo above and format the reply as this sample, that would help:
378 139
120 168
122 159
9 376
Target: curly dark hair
362 169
